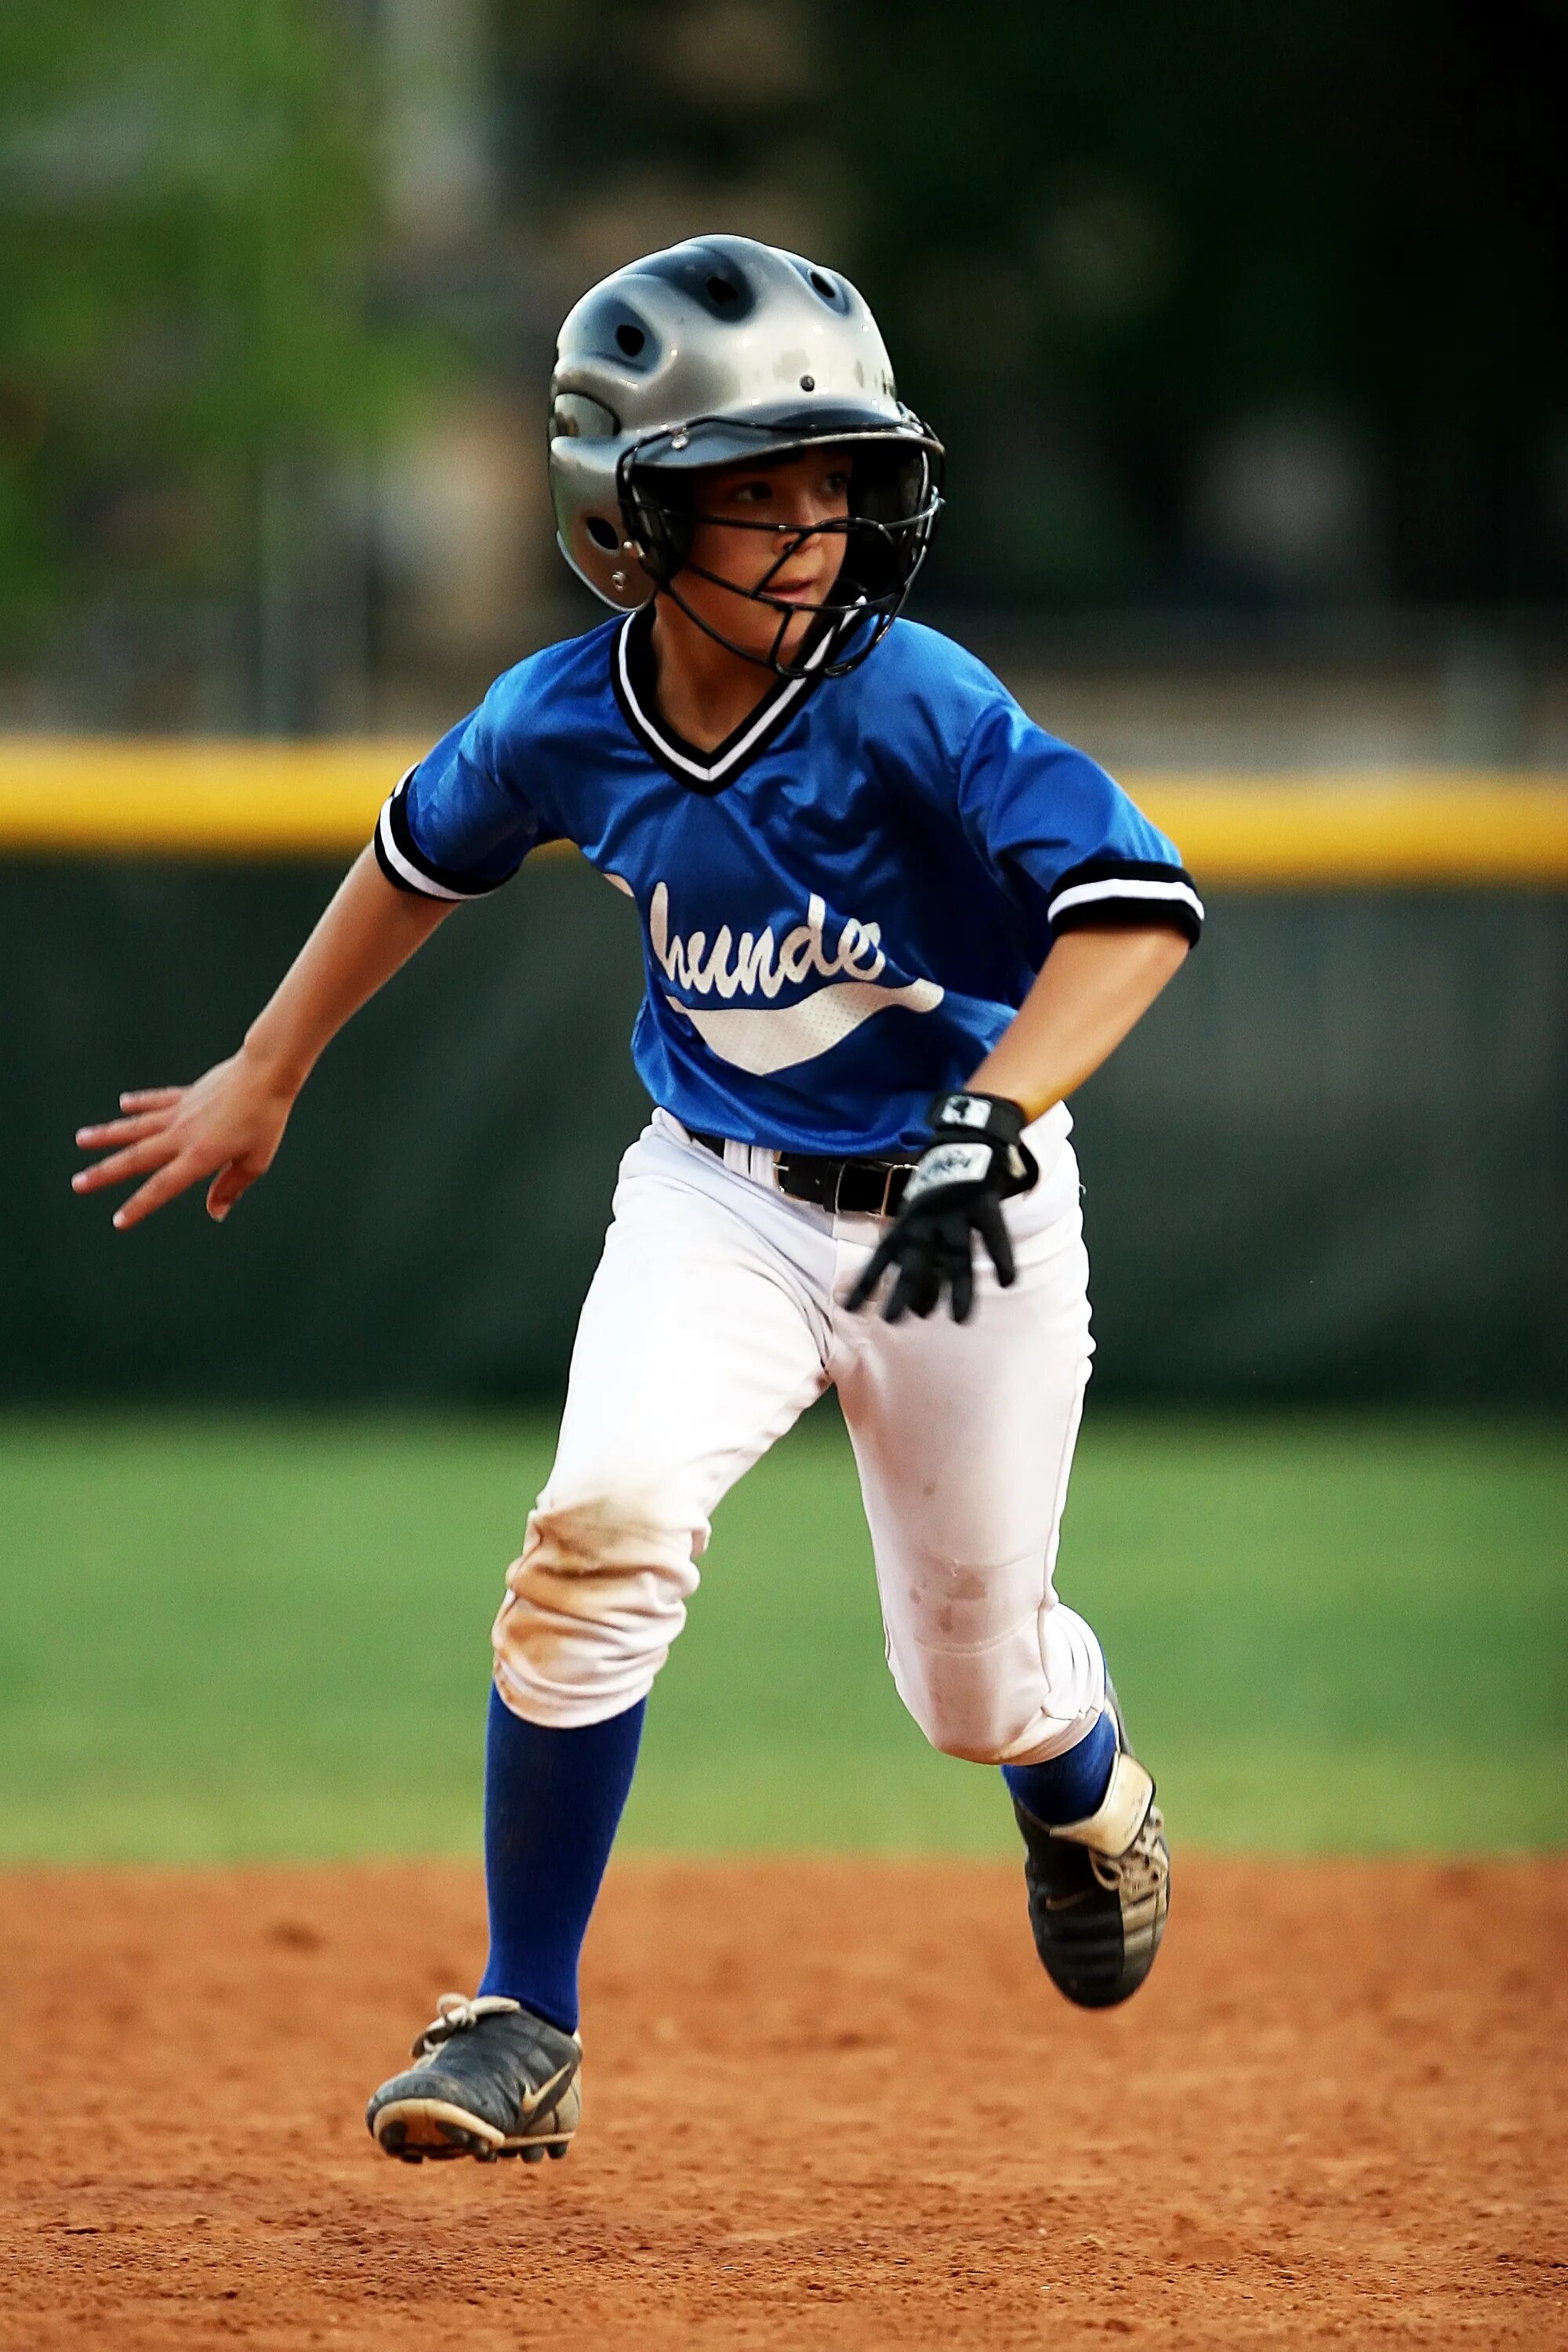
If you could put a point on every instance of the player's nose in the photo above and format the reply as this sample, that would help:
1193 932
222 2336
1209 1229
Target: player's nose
806 515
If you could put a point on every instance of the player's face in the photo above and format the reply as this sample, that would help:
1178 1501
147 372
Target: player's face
797 494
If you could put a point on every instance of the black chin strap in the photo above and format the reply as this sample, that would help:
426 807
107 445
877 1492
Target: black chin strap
812 661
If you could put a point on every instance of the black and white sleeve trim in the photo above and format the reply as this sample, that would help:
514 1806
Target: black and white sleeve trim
1117 893
405 864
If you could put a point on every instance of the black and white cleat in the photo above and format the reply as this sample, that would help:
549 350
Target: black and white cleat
489 2079
1099 1889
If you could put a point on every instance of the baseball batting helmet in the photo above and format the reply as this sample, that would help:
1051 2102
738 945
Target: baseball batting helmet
719 351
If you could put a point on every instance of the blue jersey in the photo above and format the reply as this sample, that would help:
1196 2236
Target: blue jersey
842 906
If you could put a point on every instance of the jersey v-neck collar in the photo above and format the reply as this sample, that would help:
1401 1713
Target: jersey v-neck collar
701 772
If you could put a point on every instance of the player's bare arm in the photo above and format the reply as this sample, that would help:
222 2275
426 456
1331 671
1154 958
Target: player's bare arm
1094 986
227 1124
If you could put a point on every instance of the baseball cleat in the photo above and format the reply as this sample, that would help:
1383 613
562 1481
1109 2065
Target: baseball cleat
491 2080
1100 1888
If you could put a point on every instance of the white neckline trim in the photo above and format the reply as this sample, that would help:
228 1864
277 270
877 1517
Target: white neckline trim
706 772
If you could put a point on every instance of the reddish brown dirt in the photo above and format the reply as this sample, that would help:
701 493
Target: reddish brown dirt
827 2104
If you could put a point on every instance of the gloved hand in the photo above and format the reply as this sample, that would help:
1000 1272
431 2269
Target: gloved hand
974 1162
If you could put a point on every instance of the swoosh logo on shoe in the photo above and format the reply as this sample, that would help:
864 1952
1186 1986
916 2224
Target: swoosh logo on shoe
531 2101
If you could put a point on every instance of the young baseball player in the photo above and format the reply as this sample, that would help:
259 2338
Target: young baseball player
889 926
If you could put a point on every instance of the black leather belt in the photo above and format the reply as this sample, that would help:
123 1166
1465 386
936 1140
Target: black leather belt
850 1188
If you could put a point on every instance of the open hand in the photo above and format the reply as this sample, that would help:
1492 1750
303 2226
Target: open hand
226 1125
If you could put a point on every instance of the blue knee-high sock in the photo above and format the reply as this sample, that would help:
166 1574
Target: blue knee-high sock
1072 1786
553 1804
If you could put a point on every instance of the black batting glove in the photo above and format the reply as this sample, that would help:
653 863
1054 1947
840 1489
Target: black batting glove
975 1160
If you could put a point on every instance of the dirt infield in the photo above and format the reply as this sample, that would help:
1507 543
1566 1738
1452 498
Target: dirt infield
827 2104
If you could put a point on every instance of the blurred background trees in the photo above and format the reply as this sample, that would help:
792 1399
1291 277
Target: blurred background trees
1268 298
190 318
1242 326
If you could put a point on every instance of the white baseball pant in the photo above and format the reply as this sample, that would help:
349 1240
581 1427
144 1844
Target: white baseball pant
713 1320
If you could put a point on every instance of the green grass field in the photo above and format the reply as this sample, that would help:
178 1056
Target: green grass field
253 1638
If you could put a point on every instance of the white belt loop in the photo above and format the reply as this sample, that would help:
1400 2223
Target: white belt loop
753 1160
757 1160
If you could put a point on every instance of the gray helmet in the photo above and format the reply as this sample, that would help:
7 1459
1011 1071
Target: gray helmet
715 351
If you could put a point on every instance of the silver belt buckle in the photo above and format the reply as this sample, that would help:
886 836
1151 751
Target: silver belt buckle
881 1208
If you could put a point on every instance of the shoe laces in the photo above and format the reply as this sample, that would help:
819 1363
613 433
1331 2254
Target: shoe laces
1143 1868
454 2013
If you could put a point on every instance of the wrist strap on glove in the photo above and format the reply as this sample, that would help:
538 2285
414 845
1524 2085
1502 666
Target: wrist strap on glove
979 1139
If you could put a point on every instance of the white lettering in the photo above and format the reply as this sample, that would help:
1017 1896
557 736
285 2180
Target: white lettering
800 953
856 940
794 954
758 967
659 932
718 974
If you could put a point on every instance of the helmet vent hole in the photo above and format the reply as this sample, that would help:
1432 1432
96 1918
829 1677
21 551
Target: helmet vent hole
603 534
630 339
722 292
575 416
823 284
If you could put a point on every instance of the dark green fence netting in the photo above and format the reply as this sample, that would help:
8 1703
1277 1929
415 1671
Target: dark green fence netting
1330 1164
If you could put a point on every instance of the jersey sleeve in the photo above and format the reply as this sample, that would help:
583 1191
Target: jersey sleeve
458 825
1061 834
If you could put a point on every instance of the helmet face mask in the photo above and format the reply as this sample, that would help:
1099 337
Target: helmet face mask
892 503
719 352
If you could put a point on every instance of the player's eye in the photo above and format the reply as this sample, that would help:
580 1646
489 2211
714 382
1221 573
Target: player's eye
751 494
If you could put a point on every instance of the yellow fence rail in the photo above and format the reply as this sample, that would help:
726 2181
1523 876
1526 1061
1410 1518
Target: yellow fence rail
249 800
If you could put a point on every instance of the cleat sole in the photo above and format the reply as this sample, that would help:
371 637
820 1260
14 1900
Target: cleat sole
416 2130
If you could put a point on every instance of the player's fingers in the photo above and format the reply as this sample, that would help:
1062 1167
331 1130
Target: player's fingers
994 1232
920 1282
167 1185
896 1305
865 1290
136 1158
903 1290
120 1130
960 1270
150 1097
860 1297
227 1186
927 1294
